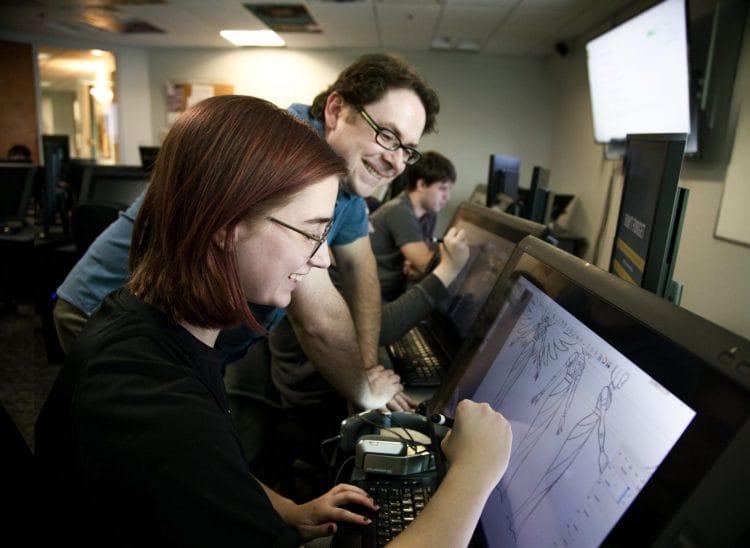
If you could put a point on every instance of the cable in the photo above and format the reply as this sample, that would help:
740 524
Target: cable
605 219
336 479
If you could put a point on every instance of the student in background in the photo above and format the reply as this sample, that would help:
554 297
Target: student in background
135 438
19 153
404 225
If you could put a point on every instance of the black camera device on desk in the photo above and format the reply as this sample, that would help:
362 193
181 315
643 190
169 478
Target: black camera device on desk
398 462
393 444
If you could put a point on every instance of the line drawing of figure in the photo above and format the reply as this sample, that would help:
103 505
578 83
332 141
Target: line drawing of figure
570 449
562 388
540 344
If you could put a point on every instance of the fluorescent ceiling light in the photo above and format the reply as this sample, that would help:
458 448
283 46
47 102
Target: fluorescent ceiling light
267 38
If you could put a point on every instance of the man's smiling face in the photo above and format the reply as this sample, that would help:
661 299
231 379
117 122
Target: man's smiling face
347 132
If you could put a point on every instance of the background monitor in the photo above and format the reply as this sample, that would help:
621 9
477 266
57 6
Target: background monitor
502 178
148 156
119 185
56 152
650 217
638 75
16 186
630 416
537 205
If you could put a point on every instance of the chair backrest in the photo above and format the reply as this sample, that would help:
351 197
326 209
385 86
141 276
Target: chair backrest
88 220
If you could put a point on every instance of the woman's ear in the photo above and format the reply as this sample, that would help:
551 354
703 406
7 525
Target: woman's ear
220 237
334 109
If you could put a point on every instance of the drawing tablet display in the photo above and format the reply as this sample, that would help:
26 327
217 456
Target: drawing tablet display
627 412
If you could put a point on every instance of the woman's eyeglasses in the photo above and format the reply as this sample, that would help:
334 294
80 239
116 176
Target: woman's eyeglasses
318 240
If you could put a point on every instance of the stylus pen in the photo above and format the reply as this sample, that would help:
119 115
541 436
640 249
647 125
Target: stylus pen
436 240
439 418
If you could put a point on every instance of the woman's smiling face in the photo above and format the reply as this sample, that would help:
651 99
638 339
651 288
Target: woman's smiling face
273 258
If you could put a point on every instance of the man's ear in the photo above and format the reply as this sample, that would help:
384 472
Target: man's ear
334 110
421 184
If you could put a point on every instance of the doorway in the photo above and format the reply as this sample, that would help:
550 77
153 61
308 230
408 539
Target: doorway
79 99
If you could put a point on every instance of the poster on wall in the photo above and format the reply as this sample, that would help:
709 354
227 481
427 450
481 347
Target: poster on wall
180 96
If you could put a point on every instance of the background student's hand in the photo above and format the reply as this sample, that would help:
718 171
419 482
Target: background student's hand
480 440
317 518
410 273
454 252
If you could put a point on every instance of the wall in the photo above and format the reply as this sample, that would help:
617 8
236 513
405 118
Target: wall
18 105
714 272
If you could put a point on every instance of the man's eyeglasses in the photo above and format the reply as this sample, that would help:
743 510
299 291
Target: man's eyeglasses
389 140
318 240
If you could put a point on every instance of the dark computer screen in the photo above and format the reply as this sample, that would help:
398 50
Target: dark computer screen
538 203
644 248
148 156
115 184
502 178
16 185
492 236
56 152
630 415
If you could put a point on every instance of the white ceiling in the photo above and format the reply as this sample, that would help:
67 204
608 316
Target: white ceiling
509 27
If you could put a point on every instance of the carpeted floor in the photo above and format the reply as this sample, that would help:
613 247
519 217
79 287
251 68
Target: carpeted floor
25 374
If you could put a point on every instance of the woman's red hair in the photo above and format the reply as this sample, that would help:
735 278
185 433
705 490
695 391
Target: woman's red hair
228 159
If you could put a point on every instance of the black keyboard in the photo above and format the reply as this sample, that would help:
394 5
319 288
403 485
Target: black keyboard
401 500
415 361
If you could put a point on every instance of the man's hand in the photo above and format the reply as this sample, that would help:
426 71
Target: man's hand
383 386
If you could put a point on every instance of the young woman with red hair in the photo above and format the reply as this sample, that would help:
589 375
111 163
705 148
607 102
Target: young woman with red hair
136 438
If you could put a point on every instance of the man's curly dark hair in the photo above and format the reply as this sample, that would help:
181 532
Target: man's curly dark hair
367 79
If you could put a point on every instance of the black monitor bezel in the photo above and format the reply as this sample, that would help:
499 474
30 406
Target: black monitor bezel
93 172
656 269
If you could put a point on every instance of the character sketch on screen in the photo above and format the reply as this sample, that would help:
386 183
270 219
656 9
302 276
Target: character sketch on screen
552 413
540 342
570 449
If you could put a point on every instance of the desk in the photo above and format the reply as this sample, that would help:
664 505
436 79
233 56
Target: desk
31 268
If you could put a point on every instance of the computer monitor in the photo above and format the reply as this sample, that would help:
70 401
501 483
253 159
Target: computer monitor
639 78
114 184
16 186
56 153
650 218
492 236
630 415
537 203
148 156
502 178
